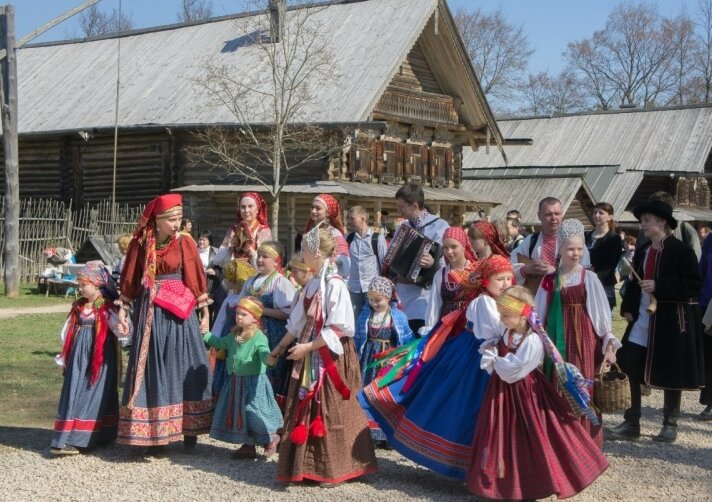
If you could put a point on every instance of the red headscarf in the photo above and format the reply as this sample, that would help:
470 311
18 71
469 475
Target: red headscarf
261 208
458 233
491 234
145 234
495 264
333 212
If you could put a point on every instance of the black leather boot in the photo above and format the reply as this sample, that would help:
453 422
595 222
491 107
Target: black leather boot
189 442
671 412
629 430
706 414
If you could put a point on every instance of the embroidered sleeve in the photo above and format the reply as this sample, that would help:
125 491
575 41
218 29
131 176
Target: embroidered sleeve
339 315
132 273
193 274
599 311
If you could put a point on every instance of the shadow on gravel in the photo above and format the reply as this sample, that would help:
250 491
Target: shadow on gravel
26 438
216 459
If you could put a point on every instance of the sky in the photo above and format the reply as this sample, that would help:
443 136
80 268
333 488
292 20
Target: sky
549 24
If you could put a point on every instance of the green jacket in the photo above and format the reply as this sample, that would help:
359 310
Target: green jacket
243 359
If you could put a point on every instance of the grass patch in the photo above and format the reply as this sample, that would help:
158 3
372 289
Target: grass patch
31 297
30 381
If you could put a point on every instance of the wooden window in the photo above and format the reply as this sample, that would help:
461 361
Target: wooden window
440 165
391 162
360 160
416 163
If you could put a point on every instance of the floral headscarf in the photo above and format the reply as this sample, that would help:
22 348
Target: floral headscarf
491 235
333 212
458 233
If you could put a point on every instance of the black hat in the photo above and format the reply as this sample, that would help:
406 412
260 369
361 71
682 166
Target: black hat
658 208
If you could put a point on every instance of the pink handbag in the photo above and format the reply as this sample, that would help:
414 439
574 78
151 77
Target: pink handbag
176 298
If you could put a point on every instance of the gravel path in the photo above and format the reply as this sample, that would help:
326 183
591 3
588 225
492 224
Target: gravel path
639 471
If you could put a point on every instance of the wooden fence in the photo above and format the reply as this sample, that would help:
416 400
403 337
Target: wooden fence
49 223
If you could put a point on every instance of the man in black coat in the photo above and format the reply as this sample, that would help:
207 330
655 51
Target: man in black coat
662 349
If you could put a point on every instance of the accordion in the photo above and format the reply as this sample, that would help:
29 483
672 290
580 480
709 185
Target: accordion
403 256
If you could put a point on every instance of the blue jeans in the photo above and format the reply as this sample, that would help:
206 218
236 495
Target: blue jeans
358 301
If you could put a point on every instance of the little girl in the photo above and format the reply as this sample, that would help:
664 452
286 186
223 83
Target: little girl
432 420
527 443
247 412
380 326
88 413
576 312
276 293
326 435
233 280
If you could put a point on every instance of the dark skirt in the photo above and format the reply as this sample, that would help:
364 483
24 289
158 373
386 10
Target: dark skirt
527 444
434 421
174 398
246 412
87 414
346 451
706 393
278 375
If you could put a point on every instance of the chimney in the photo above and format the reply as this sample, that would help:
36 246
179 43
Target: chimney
277 9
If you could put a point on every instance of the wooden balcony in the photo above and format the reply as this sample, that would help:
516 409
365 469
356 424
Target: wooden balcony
419 107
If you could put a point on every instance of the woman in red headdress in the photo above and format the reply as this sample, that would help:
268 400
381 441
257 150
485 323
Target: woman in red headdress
326 208
485 239
167 392
248 233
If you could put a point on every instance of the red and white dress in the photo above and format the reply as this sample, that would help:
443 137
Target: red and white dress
587 326
527 443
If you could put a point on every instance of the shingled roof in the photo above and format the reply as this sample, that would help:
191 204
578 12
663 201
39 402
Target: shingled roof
71 85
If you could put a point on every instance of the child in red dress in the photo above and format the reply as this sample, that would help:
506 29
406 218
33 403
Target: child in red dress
528 444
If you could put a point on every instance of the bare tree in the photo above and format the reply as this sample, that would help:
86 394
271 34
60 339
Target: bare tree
195 10
631 60
680 33
499 51
94 22
558 94
268 103
702 57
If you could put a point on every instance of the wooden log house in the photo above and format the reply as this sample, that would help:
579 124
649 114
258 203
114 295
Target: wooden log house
405 103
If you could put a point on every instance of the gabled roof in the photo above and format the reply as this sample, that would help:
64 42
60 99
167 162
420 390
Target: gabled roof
523 194
71 85
671 139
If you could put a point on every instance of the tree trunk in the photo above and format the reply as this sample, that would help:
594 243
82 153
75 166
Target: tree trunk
11 246
274 219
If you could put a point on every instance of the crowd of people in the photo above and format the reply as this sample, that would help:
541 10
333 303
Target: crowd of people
476 363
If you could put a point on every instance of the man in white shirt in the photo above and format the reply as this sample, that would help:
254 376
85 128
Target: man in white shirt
410 202
536 255
367 249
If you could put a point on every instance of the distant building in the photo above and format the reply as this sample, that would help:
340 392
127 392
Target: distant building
619 157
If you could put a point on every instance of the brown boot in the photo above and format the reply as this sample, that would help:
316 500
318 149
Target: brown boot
246 451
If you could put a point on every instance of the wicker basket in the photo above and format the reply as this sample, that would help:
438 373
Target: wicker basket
611 390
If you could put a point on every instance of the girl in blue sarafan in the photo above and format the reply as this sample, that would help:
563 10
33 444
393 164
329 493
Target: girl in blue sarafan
88 411
428 411
247 412
380 327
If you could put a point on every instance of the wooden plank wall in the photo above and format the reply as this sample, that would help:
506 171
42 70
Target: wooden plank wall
415 73
190 174
40 168
139 171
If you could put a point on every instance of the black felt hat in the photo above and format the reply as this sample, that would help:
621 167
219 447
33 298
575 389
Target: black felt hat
659 209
